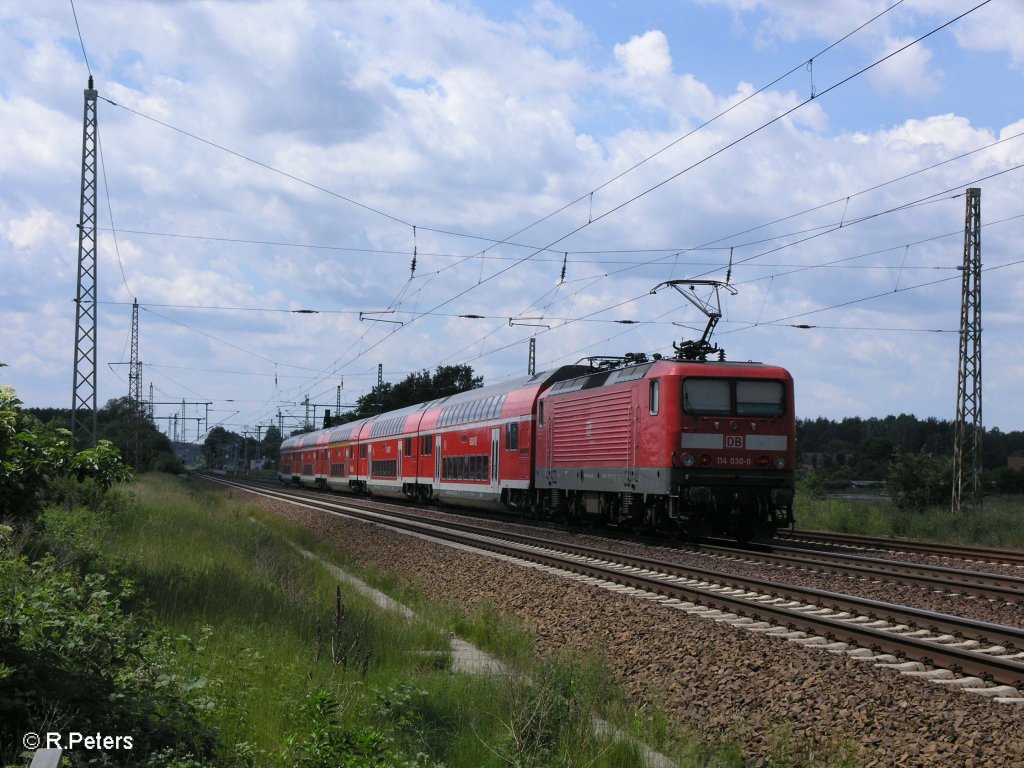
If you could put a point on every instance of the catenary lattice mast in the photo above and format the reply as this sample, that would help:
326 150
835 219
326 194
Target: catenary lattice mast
967 458
83 385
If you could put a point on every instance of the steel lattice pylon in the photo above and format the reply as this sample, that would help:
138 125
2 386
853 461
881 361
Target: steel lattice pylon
134 366
967 457
83 385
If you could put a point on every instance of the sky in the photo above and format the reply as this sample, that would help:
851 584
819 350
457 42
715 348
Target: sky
547 163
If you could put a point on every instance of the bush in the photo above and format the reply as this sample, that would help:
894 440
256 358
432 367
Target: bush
919 480
167 463
71 658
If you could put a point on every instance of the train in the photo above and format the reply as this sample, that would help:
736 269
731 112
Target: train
695 447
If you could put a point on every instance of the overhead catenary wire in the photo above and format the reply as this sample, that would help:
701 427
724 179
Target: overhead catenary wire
81 40
110 213
254 161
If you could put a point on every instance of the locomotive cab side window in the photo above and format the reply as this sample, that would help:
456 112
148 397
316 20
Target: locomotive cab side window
655 396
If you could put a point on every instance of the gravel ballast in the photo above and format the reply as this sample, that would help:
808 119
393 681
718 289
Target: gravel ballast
706 676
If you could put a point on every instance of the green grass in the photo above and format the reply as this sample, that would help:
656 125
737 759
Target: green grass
292 670
1000 523
251 616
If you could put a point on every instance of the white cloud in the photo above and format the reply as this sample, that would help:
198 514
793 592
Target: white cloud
645 56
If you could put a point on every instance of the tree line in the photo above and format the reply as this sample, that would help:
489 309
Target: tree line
867 446
125 425
912 456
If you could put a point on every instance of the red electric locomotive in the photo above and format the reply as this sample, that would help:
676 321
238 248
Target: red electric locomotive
705 447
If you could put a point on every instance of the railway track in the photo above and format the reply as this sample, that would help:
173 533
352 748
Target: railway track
934 577
984 657
943 579
1004 557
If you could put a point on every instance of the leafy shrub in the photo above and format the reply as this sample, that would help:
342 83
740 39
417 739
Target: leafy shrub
37 461
72 659
918 480
326 742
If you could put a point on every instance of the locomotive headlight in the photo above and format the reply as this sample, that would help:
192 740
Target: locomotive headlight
688 460
780 462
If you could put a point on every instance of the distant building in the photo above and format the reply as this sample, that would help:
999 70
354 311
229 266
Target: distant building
1015 462
826 460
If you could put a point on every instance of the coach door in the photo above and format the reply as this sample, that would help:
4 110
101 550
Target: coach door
437 461
398 461
495 453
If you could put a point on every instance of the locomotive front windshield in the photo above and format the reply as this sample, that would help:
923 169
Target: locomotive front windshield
733 397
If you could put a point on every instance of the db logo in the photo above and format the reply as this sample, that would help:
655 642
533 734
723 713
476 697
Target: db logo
734 441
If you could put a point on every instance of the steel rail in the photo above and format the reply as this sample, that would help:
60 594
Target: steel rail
1008 588
642 575
1001 556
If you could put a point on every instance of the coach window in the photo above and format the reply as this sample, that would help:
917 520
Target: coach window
655 396
512 436
408 446
362 451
